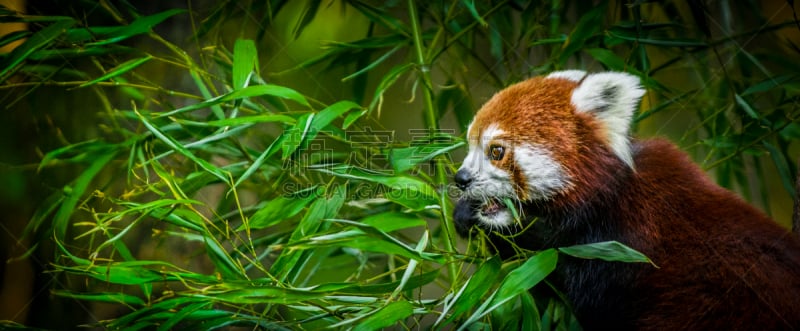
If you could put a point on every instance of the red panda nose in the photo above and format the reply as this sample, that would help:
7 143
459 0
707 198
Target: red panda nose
463 179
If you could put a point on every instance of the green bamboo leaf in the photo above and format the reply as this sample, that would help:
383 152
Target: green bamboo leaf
399 182
13 36
769 84
295 135
37 41
283 207
526 276
309 11
11 16
68 53
246 92
470 4
309 125
607 58
225 264
118 70
76 190
119 274
473 290
387 81
666 41
219 173
459 100
588 26
122 298
82 35
403 159
179 316
516 282
746 107
607 251
382 17
531 318
286 265
393 221
351 118
139 26
264 295
245 61
272 149
373 64
369 238
148 311
791 131
386 316
345 291
266 118
407 191
75 153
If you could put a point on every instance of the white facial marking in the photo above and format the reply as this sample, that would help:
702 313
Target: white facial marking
544 176
612 98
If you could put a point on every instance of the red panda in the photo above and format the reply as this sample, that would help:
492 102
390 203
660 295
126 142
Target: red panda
559 148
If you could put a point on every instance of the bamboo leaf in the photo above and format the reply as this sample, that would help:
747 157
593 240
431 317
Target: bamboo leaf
386 316
245 61
586 27
393 221
470 4
246 92
76 190
309 11
287 262
294 136
139 26
283 207
118 70
403 159
474 289
607 58
524 277
387 81
226 265
267 118
219 173
607 251
122 298
746 107
37 41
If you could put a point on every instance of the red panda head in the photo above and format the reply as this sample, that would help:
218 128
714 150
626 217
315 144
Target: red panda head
529 142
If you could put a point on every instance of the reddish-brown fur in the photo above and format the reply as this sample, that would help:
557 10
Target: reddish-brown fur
722 264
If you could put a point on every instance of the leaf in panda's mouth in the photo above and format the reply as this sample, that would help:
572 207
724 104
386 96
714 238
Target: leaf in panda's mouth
510 205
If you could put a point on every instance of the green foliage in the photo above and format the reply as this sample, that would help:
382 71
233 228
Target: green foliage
232 201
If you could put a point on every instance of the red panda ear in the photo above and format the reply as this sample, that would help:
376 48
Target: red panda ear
612 97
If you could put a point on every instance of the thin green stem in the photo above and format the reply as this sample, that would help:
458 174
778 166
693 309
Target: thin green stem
433 125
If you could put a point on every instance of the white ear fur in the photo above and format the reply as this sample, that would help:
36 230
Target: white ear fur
612 97
573 75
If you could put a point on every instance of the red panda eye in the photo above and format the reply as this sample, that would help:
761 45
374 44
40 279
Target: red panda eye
496 152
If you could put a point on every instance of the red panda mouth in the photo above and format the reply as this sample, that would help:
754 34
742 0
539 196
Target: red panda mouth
492 207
